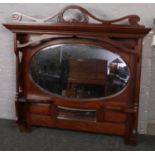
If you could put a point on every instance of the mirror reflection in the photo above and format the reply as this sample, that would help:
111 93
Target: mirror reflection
79 71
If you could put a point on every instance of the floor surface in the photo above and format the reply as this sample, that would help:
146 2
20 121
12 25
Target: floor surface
64 140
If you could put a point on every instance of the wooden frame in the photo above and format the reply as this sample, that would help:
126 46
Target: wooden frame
34 106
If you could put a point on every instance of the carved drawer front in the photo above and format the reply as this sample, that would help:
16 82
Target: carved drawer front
40 108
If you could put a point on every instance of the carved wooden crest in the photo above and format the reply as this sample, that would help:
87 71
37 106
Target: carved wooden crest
74 14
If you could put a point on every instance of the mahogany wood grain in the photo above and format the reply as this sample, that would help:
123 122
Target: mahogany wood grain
117 114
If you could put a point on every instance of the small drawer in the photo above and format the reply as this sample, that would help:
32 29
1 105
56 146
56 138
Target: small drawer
39 108
112 116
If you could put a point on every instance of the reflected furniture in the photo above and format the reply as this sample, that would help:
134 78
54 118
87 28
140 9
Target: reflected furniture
86 72
44 50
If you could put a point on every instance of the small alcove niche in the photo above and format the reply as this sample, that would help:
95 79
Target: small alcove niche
77 74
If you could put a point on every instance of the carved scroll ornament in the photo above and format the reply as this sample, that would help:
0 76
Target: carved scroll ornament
74 14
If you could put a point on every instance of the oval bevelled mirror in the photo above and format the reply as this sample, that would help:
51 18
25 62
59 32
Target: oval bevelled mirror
79 71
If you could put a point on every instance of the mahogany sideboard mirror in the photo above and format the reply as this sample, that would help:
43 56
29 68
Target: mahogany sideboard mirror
76 71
